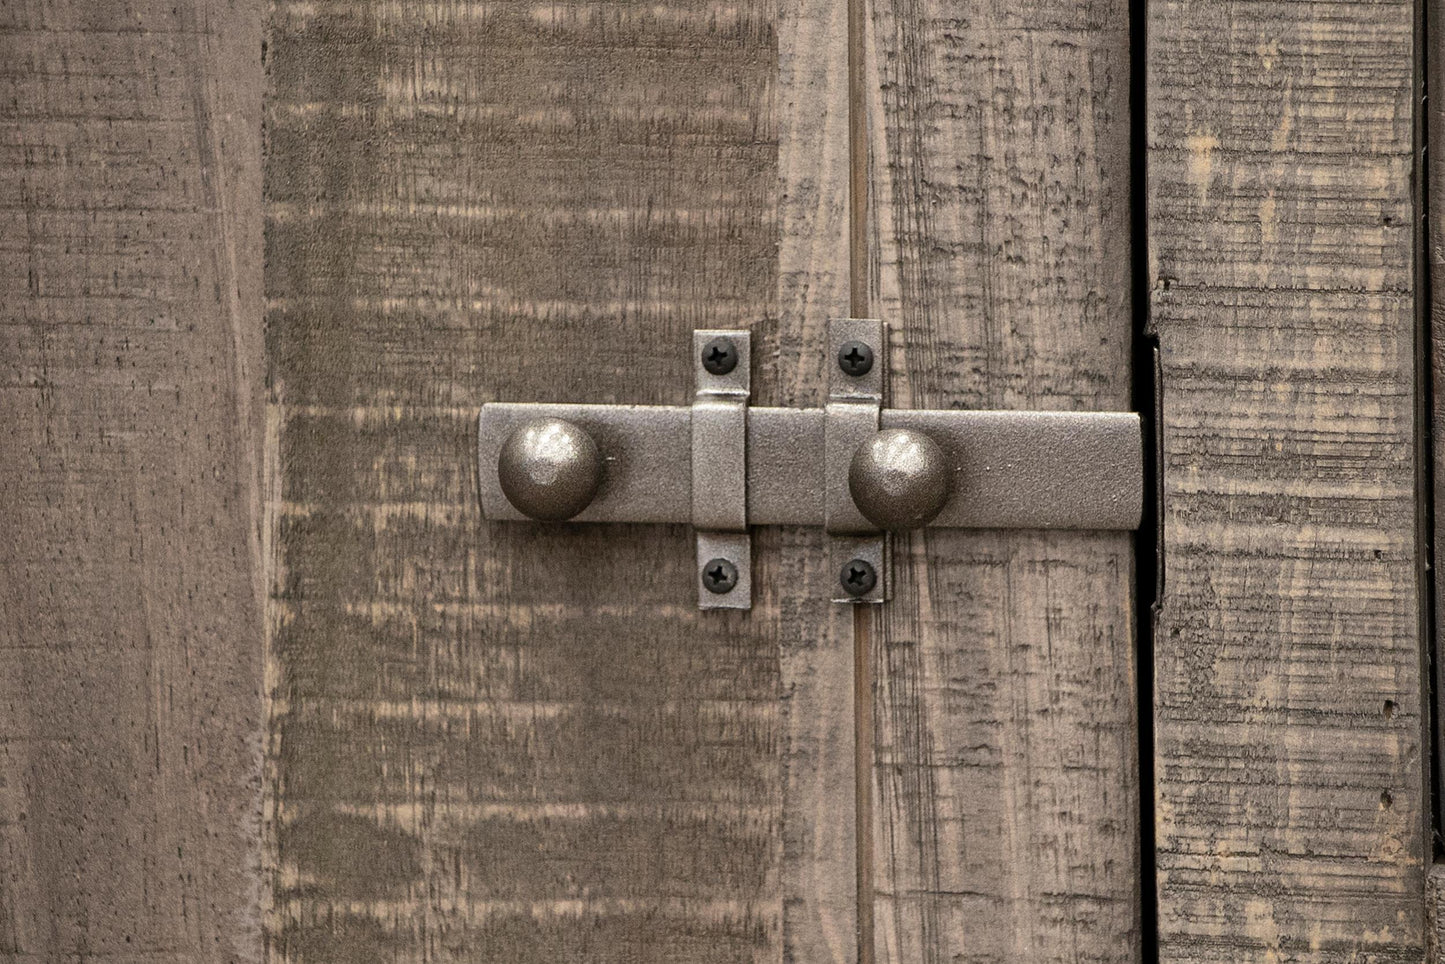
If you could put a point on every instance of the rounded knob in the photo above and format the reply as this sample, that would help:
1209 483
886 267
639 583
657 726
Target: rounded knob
899 479
549 469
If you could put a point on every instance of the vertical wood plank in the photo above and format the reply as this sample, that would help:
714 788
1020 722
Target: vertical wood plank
130 389
1434 913
1289 726
1007 817
514 742
819 872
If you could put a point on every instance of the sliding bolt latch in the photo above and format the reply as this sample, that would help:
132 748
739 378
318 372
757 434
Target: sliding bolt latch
856 468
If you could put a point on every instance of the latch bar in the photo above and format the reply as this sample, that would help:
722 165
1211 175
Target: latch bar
1011 470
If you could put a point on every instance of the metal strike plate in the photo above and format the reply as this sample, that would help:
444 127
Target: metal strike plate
723 465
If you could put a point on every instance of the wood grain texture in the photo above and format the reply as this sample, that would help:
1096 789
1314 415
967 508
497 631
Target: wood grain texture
1007 815
512 742
819 872
130 386
1289 726
1434 913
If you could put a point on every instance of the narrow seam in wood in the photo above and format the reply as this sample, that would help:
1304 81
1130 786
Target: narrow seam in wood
858 307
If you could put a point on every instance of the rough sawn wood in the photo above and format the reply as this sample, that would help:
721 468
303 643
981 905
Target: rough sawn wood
1290 743
1007 816
505 741
130 562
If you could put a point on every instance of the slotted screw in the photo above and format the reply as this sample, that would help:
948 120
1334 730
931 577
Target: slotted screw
855 358
858 577
719 356
719 576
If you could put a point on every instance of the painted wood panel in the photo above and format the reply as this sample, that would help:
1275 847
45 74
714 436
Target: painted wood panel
130 399
1290 731
1007 820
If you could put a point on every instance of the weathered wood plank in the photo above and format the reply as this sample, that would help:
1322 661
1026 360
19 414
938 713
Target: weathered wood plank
511 742
1434 913
1007 817
1289 727
819 873
130 390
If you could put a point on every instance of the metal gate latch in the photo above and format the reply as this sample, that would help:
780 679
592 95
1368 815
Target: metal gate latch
853 467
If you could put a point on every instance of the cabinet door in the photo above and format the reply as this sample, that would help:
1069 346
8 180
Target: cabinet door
517 742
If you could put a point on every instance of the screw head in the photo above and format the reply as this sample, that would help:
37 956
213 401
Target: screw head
858 577
855 358
719 576
549 469
719 356
899 479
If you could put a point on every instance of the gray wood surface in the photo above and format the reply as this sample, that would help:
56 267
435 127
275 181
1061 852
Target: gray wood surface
514 743
130 563
1007 814
1290 750
1434 913
511 742
819 859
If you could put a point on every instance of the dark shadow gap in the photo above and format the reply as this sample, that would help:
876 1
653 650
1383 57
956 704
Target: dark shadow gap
860 306
1148 541
1426 22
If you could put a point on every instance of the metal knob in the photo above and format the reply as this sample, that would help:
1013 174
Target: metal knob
549 469
899 479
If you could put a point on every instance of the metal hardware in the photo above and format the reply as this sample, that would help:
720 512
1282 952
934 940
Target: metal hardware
855 551
855 358
723 466
899 479
858 577
549 469
736 549
855 401
719 575
719 355
1010 470
719 463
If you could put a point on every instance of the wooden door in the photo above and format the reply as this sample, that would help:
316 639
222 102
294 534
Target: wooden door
274 689
529 743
